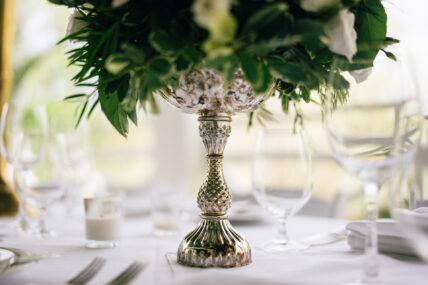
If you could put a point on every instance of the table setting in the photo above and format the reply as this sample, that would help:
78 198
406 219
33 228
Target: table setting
216 61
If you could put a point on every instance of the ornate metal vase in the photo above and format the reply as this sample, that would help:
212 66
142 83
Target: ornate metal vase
214 243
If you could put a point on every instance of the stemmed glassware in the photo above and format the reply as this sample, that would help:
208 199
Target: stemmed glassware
282 179
375 130
409 200
45 180
20 148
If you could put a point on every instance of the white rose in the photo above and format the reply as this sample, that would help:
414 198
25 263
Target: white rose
342 35
317 5
75 24
361 75
118 3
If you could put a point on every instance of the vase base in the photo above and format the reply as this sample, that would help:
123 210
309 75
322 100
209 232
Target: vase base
214 243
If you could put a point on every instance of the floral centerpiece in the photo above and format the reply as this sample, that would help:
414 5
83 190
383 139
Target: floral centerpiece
215 58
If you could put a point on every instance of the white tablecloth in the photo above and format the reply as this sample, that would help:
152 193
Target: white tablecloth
328 264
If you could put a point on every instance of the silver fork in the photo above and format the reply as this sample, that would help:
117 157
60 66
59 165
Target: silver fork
128 274
88 272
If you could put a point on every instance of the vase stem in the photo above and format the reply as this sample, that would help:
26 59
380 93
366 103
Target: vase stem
214 243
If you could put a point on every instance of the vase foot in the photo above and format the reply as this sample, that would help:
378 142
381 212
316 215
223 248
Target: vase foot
214 243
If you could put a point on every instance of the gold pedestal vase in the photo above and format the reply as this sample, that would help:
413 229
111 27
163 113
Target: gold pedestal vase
214 243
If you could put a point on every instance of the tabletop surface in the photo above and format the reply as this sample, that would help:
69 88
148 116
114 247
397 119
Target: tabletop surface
335 263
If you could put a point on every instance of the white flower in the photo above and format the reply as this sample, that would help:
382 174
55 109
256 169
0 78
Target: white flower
317 5
75 24
215 16
205 10
118 3
361 75
342 35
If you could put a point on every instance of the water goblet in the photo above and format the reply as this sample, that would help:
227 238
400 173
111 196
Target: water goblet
44 181
371 133
20 153
409 200
282 180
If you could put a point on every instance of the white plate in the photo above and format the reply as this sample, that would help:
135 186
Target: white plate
6 259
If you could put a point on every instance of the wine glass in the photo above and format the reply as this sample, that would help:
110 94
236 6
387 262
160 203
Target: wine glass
409 200
20 152
45 180
375 130
282 179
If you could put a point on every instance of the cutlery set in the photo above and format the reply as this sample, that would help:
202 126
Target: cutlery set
20 257
89 272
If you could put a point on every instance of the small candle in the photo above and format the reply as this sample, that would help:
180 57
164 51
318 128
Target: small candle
103 221
103 228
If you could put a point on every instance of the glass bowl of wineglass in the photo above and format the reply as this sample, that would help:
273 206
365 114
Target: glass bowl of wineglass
282 180
373 131
45 181
18 124
409 200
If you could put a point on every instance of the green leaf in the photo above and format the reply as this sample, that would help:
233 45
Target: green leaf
286 71
72 36
190 54
129 103
229 69
119 85
252 68
133 116
339 82
117 63
264 16
91 110
182 64
151 81
164 42
136 55
75 96
255 72
311 32
285 102
390 41
161 66
390 55
269 46
154 109
266 80
305 93
82 112
114 112
370 25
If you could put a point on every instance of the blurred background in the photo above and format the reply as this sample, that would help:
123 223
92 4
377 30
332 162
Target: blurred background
165 151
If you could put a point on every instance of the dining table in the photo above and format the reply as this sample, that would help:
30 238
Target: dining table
330 263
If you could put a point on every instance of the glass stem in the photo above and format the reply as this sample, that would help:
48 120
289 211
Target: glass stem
282 230
42 220
371 263
23 223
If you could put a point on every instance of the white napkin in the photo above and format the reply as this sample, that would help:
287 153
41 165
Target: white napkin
390 237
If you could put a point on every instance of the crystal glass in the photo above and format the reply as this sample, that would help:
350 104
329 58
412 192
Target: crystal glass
44 181
409 200
103 216
282 179
372 132
18 129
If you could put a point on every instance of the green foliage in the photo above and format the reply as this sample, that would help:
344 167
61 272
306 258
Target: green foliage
128 53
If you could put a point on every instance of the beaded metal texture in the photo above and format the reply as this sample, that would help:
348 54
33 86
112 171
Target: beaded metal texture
214 243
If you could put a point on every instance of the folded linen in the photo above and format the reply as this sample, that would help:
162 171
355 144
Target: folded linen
390 237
